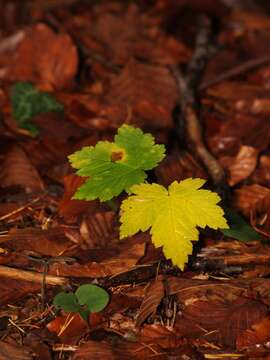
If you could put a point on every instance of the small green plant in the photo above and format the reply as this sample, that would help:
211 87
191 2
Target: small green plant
112 167
27 102
87 299
172 215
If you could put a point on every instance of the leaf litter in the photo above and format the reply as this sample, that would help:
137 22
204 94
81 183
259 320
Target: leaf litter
106 64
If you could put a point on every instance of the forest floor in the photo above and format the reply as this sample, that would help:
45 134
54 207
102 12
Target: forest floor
196 75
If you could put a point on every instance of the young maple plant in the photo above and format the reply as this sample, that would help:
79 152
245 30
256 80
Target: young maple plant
172 214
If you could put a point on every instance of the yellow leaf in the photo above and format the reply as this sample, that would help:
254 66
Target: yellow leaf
173 215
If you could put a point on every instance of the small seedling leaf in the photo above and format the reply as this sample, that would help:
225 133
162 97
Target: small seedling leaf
114 167
173 215
67 301
93 296
27 102
239 228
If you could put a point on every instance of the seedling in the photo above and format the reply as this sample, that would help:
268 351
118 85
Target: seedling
87 299
113 167
27 102
172 215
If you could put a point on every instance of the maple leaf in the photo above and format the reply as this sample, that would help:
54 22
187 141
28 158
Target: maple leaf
173 215
112 167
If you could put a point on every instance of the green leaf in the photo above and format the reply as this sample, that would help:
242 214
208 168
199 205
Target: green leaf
114 167
239 228
27 102
93 296
173 215
67 301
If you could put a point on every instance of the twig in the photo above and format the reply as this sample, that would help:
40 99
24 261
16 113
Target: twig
31 276
187 86
193 128
200 55
235 71
46 263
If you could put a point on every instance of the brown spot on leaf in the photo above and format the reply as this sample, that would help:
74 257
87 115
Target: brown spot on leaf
117 155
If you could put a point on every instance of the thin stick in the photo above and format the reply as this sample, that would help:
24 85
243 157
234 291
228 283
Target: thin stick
31 276
193 128
235 71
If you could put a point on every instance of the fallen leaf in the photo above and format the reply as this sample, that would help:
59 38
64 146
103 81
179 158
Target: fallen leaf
148 92
51 242
17 170
41 58
14 290
255 198
241 166
259 333
15 352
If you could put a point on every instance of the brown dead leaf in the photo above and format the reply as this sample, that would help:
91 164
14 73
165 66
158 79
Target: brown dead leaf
238 129
69 327
262 173
37 343
41 58
146 92
51 242
98 230
259 333
128 34
241 166
15 352
153 296
17 170
179 167
70 209
105 262
250 21
67 207
226 319
255 198
97 350
13 290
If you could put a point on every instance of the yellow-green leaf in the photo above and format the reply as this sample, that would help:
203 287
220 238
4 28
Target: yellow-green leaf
173 215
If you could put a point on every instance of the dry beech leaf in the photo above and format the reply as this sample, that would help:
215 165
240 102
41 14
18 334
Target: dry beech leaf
70 209
15 352
179 167
259 333
236 130
127 34
249 20
130 350
51 242
69 328
241 166
153 295
17 170
262 173
127 257
99 230
67 207
41 58
230 318
255 198
13 290
149 92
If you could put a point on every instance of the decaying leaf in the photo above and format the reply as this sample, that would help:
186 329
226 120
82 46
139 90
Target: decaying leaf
17 170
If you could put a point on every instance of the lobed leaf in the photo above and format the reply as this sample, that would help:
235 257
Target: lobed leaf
173 215
27 102
114 167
